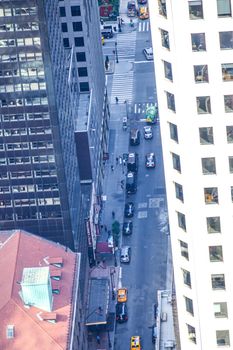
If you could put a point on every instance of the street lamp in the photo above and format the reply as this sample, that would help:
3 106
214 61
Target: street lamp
116 53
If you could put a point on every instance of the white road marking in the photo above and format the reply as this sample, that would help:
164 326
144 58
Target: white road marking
142 205
142 214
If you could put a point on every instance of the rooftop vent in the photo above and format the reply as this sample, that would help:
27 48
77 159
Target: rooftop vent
10 331
58 262
48 316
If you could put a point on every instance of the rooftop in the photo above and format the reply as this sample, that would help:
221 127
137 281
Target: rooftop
27 273
98 301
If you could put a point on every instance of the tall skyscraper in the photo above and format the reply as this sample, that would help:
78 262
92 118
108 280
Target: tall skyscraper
39 175
193 43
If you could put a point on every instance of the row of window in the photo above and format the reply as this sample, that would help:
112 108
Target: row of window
21 57
29 188
38 130
222 336
27 101
22 87
15 27
28 160
29 202
74 10
24 116
26 145
78 42
31 214
27 174
219 308
20 42
17 11
23 72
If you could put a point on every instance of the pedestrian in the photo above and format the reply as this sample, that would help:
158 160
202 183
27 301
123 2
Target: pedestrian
116 160
98 339
124 162
112 167
120 160
116 98
113 214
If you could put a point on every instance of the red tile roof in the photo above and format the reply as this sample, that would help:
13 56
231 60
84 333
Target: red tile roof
19 249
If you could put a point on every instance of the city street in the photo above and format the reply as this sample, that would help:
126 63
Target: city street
146 272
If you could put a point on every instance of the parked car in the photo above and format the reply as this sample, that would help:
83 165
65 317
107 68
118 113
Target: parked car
121 312
129 210
122 295
134 137
154 334
132 163
148 52
135 343
107 33
150 160
127 228
125 254
148 133
131 183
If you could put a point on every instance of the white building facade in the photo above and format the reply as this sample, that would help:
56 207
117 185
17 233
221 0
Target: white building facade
193 50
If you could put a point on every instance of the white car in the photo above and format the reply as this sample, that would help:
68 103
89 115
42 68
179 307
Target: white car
148 134
148 52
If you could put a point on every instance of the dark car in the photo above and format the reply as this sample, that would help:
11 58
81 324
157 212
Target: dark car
132 163
121 312
134 137
131 183
129 210
127 228
107 33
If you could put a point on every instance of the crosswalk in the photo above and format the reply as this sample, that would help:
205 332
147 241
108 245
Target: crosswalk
143 26
140 108
126 45
122 87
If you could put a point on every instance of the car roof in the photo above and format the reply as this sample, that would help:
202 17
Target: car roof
149 49
135 338
150 155
147 127
124 248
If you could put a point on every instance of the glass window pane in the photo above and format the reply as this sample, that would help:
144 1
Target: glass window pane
171 101
203 104
213 224
223 338
208 166
168 70
215 253
211 195
179 192
220 310
198 42
189 305
224 8
195 9
206 136
184 250
226 40
231 164
181 221
201 74
173 132
218 281
227 71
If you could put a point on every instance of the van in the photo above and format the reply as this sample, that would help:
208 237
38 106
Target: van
131 183
134 137
107 33
132 164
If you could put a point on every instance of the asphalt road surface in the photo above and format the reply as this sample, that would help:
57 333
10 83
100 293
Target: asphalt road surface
146 272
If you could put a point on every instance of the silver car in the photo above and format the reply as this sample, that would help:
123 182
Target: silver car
148 52
148 134
125 254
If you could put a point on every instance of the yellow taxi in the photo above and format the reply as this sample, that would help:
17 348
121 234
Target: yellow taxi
143 12
122 295
135 343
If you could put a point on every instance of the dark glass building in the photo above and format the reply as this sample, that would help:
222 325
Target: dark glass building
39 176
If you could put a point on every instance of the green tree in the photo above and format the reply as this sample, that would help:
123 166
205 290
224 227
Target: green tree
116 232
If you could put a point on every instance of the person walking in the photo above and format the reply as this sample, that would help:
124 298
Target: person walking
113 214
116 98
117 160
112 167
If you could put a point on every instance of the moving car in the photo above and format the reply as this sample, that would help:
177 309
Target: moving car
107 33
125 254
150 160
129 210
134 137
131 183
132 163
131 8
121 312
143 12
127 228
148 52
122 295
148 134
135 343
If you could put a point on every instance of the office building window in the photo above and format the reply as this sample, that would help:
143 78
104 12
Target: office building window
176 162
165 39
208 166
213 224
84 87
82 72
206 136
66 42
224 8
223 338
79 42
198 42
168 70
80 57
230 164
62 11
64 27
181 221
211 195
179 192
218 281
215 253
201 74
162 8
226 40
191 333
228 102
220 310
229 130
75 11
171 101
189 305
184 250
173 132
186 277
232 193
227 71
195 9
203 104
77 26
